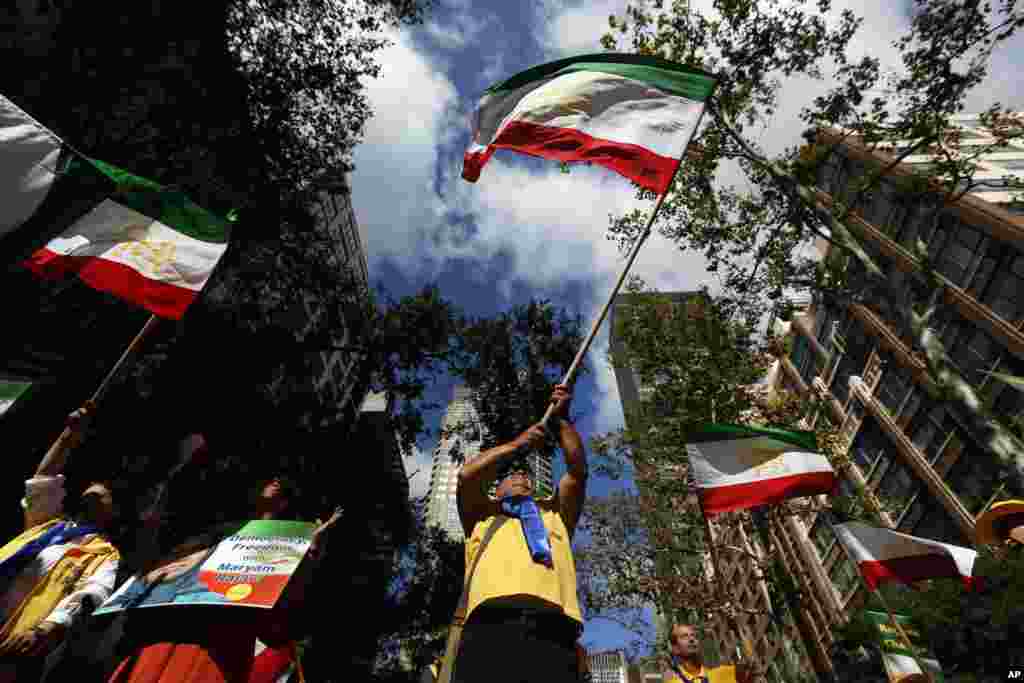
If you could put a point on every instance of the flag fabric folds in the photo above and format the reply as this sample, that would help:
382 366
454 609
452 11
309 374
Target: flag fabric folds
119 233
633 114
883 555
737 467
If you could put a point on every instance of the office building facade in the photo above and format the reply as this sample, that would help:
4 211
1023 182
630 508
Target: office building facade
914 453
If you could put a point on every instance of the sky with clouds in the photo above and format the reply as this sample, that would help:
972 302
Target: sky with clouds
526 229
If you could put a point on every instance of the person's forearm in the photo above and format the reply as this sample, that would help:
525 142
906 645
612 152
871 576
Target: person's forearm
56 458
572 449
484 467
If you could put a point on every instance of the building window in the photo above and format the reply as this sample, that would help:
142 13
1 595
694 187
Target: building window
808 361
869 446
927 431
858 347
974 478
893 387
927 518
999 283
974 354
897 487
954 257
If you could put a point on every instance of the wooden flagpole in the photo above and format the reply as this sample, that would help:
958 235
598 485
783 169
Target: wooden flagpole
129 352
570 375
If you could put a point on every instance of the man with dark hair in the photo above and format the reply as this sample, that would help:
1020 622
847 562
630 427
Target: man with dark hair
687 661
522 595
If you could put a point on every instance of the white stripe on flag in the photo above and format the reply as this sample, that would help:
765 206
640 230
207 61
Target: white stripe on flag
122 235
745 461
872 544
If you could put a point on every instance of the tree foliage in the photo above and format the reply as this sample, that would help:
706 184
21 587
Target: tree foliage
305 64
513 361
756 233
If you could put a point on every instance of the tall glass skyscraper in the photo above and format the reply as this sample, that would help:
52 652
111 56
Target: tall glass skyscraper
462 435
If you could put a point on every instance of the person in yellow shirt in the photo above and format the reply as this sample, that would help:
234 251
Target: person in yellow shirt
522 596
687 662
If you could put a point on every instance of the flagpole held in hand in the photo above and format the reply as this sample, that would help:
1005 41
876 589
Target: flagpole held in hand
570 375
129 353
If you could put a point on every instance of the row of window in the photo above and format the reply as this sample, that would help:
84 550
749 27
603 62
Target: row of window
990 270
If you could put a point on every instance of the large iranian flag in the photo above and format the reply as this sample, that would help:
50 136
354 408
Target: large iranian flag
119 233
883 555
632 114
737 467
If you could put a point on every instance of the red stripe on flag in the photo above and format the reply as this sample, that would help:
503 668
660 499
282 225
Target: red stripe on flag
268 666
765 491
911 568
166 301
637 163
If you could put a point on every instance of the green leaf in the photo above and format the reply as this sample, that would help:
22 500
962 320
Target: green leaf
1012 380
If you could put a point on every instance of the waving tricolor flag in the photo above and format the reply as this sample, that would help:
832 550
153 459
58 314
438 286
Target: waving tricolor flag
118 232
737 467
884 555
630 113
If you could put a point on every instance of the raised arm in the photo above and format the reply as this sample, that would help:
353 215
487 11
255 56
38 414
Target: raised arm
56 458
572 488
474 504
44 491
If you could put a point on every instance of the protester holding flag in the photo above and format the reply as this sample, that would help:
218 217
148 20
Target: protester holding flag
522 594
686 661
60 568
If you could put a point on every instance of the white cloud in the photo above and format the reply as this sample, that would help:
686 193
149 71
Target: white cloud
574 29
392 186
417 468
459 29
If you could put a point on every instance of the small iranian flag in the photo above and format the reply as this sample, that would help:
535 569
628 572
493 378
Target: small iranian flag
630 113
737 467
898 659
11 391
118 232
884 555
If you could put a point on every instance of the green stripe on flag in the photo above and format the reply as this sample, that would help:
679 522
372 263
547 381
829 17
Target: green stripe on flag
661 73
731 432
170 207
691 85
11 391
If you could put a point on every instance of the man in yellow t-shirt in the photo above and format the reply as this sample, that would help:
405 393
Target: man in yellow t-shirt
522 613
687 662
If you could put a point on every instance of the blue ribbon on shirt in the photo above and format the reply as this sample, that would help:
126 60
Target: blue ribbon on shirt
677 666
60 533
525 510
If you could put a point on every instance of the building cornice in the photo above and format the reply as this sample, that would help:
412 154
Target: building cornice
999 223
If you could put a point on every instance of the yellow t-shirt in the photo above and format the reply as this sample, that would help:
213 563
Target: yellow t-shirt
507 571
719 674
